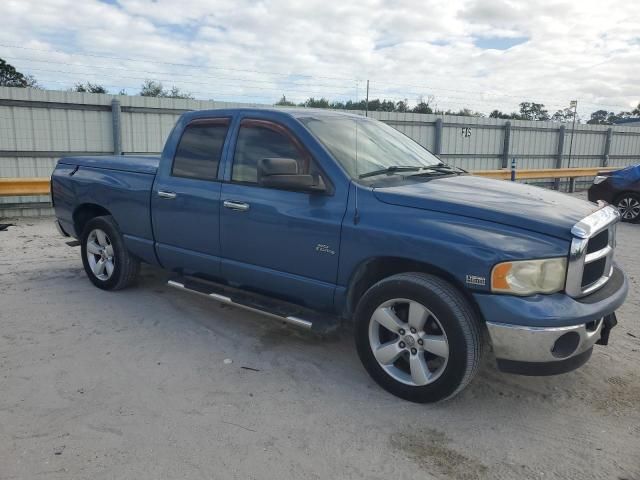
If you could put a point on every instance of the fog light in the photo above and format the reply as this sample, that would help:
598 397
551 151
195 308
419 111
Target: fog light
566 345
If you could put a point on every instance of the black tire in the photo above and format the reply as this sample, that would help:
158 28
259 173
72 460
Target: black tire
628 197
455 315
125 265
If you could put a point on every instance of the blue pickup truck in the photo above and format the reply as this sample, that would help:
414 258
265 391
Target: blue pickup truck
318 217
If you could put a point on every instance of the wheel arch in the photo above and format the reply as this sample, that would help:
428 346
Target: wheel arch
85 212
622 193
372 270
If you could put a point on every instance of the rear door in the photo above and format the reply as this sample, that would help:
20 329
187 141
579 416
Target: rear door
283 243
186 200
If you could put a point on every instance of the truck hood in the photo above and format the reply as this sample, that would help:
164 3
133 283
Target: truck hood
509 203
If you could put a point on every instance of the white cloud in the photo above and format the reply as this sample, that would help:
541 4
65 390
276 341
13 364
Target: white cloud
257 51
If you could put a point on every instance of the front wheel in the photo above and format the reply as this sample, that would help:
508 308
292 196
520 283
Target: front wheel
629 207
106 260
418 337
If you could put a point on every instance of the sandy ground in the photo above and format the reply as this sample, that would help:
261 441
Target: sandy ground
134 384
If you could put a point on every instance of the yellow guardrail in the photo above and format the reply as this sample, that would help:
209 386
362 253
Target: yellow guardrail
505 173
11 187
40 186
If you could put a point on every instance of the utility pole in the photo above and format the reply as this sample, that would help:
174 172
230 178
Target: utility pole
573 104
366 102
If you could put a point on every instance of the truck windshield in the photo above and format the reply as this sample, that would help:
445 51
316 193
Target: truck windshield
364 146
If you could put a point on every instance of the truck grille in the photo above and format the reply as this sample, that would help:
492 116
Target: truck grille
591 255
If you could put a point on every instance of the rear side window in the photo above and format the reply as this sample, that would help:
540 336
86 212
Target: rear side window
200 149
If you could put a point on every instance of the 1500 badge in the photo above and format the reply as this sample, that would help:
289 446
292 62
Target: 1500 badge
322 248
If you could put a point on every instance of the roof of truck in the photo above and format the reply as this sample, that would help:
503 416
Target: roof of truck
294 112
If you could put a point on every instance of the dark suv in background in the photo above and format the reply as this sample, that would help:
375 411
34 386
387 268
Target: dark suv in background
620 188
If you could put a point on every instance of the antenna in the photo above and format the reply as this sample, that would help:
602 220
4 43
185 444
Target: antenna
366 102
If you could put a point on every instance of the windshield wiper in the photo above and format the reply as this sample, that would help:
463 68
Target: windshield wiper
444 167
438 169
441 169
392 169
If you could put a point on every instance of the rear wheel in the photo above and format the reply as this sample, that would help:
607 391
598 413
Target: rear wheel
106 260
418 337
629 207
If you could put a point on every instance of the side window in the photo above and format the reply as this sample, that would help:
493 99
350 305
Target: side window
256 142
199 151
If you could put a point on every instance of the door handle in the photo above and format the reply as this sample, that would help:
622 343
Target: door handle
167 195
233 205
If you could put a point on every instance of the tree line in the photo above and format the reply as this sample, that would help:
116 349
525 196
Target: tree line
10 77
527 110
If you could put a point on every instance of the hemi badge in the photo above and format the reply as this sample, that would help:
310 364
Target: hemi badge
476 280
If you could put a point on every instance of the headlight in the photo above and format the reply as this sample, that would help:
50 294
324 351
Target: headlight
529 276
599 179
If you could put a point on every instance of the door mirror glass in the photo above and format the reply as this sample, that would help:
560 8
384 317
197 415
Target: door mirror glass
283 173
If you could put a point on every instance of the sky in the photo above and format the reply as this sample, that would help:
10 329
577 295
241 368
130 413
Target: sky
478 54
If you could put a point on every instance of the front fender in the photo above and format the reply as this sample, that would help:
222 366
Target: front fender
466 248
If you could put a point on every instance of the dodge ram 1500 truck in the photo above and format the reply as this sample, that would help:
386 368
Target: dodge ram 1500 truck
315 217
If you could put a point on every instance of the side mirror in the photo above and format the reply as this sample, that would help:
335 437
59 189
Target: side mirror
283 173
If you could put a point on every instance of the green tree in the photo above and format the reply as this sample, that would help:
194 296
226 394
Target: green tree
423 105
402 106
351 105
10 77
464 112
151 88
89 88
600 117
387 106
499 114
175 92
533 111
636 111
316 103
564 115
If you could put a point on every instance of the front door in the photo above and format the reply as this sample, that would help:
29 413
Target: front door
186 201
283 243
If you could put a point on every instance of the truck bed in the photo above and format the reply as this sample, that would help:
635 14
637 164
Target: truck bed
123 163
119 184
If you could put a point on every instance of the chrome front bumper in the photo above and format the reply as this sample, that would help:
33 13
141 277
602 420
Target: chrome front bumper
543 350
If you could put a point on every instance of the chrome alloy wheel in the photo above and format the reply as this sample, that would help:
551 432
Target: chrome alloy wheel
408 342
100 254
629 208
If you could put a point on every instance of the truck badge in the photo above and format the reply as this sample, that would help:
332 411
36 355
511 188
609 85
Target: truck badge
322 248
476 280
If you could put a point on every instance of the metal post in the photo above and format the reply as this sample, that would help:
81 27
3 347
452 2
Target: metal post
513 169
437 147
572 184
366 102
607 147
560 152
505 147
574 104
117 134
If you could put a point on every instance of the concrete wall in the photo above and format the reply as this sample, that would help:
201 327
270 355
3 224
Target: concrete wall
38 126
